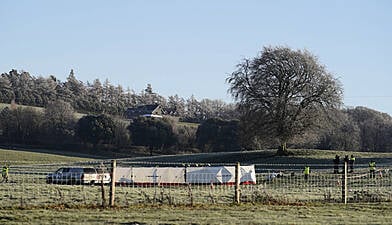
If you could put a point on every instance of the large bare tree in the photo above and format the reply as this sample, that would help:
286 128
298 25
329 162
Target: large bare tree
283 92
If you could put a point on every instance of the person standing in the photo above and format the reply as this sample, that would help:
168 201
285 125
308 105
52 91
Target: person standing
351 162
307 172
4 173
336 162
372 169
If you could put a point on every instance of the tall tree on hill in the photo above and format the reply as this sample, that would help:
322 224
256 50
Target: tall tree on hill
119 100
22 86
44 91
95 96
175 106
77 91
283 93
148 96
6 93
131 99
193 110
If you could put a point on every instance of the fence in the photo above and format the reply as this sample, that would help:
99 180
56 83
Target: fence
27 187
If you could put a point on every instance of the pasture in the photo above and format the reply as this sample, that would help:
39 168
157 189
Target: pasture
206 214
286 200
36 157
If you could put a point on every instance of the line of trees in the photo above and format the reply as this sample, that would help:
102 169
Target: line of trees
357 129
57 127
98 98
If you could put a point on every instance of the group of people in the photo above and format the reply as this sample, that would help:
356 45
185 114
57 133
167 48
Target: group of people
350 160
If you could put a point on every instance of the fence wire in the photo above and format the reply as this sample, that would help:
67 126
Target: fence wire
28 186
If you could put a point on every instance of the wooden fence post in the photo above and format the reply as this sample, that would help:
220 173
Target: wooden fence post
237 183
112 183
344 184
103 193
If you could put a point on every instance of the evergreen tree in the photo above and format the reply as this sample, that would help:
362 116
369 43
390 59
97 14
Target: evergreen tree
6 93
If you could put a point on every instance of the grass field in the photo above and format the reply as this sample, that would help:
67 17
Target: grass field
27 157
38 109
35 202
299 156
213 214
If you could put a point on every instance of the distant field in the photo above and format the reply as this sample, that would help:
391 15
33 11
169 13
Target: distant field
26 157
3 105
247 157
269 157
39 109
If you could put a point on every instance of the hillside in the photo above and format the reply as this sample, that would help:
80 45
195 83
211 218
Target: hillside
300 156
38 109
31 156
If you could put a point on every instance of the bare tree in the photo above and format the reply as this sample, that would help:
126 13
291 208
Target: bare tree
283 93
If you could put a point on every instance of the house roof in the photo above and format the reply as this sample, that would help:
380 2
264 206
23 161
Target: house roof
153 110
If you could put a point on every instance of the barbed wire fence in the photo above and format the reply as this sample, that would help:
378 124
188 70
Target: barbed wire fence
275 183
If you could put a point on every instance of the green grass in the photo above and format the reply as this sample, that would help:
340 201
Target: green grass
38 109
27 157
299 156
28 200
213 214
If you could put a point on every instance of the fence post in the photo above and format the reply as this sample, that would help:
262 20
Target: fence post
237 183
103 193
344 184
112 183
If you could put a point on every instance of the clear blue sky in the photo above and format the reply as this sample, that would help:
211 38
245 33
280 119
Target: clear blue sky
190 47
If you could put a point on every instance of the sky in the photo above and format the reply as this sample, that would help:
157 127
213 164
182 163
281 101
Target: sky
190 47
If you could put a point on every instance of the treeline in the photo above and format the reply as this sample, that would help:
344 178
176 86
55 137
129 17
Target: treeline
357 129
219 126
57 127
360 129
98 98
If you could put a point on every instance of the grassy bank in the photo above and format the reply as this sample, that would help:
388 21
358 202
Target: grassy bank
31 157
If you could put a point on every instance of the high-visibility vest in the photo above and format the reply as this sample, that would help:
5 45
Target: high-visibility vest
352 159
372 166
307 170
5 170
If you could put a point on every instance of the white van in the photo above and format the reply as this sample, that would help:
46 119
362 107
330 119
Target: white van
78 175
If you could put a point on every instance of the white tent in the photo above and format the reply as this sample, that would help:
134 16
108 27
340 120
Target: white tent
207 175
182 175
248 174
149 175
220 175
